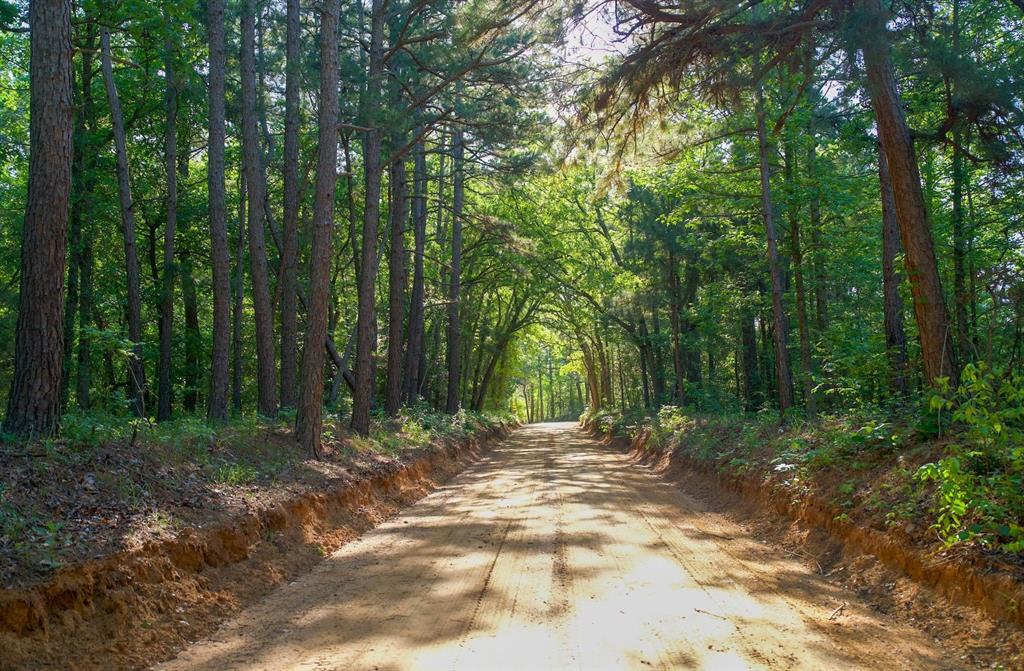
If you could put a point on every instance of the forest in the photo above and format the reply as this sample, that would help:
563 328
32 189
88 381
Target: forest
336 222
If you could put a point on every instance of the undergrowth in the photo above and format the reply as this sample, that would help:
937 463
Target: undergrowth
955 466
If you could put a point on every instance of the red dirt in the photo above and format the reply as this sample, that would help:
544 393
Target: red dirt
135 607
967 605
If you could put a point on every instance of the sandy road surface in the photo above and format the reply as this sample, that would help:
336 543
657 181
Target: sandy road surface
553 552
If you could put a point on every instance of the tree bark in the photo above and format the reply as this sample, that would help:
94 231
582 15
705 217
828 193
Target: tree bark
782 374
309 421
455 278
136 370
396 288
33 405
193 337
238 299
254 177
751 372
895 339
164 391
679 389
937 354
796 255
217 408
366 323
290 233
80 251
414 348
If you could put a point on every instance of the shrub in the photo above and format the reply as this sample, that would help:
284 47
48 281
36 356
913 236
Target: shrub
979 492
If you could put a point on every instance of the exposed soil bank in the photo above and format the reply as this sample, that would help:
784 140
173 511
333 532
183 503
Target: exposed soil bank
133 608
982 612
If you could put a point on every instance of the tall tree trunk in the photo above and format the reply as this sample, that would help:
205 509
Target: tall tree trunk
290 242
217 409
254 178
796 255
136 370
396 287
163 406
83 377
33 405
679 389
193 337
937 354
782 374
81 195
658 364
895 339
751 371
309 421
959 249
644 347
455 279
238 299
366 328
414 349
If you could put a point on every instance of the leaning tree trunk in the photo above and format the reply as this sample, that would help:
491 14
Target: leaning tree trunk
33 405
136 370
783 379
396 288
163 406
895 338
290 234
366 322
217 409
414 348
937 355
262 306
309 420
455 279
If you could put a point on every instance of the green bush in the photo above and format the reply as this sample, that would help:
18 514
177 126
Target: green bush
979 492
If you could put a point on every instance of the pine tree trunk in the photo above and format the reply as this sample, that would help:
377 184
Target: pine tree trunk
366 328
79 201
658 367
796 254
644 347
217 409
136 370
679 389
895 339
290 234
783 379
163 407
238 299
751 371
33 405
933 325
455 278
414 349
193 338
309 421
396 287
254 177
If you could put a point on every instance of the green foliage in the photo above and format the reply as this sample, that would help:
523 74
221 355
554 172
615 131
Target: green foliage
979 492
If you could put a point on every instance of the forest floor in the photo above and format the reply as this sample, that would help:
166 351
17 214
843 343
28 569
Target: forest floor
557 551
100 489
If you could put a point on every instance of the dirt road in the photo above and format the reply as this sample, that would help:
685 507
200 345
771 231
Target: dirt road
554 552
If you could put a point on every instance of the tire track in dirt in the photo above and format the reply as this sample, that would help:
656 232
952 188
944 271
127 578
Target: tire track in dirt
557 553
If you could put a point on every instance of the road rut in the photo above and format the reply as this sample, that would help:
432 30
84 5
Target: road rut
553 552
